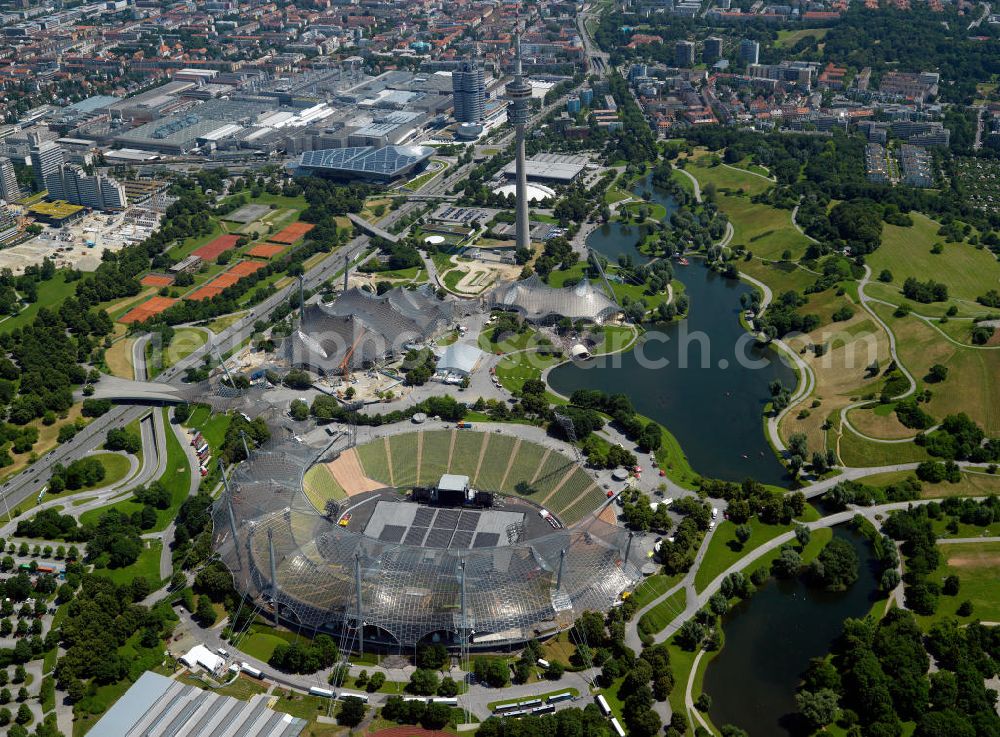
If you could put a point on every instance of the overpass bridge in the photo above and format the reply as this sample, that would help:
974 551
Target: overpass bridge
372 229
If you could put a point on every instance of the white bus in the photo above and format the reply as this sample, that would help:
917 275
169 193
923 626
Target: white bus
251 671
446 700
348 694
617 727
603 704
324 692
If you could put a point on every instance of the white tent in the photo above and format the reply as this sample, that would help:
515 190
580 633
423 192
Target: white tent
200 655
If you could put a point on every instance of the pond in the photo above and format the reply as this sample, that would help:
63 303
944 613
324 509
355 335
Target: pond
769 640
704 378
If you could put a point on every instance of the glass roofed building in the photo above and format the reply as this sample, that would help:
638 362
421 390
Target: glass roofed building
366 162
537 302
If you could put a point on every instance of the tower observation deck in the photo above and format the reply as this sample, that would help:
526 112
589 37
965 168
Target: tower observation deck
518 112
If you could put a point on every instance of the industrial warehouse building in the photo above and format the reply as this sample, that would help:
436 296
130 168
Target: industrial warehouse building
156 706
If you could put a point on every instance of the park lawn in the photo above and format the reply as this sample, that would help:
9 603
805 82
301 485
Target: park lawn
51 293
653 587
766 231
663 613
185 342
260 645
147 566
840 375
655 211
510 343
856 451
879 421
116 468
615 194
221 323
560 648
787 39
614 339
781 276
515 369
47 440
963 529
119 358
724 550
977 566
817 541
575 272
212 426
972 484
302 705
973 383
967 271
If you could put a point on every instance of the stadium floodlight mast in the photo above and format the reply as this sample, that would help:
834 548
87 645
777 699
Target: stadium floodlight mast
359 623
225 368
232 515
274 572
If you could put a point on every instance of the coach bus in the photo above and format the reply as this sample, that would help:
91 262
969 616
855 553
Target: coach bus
617 727
349 694
324 692
603 704
556 698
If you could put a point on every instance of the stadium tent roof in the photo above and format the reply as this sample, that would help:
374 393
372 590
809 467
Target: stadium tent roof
366 162
538 302
362 327
460 358
156 706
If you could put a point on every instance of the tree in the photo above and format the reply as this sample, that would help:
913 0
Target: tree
23 714
205 613
836 568
352 711
743 533
951 585
819 708
788 562
423 682
375 682
703 703
802 535
937 373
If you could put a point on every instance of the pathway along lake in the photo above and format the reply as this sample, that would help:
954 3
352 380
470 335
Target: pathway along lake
769 640
703 378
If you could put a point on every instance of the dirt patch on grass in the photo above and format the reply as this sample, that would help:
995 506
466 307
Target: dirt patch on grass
347 471
119 358
974 560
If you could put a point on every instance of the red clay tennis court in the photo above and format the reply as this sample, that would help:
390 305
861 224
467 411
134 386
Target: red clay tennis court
265 250
292 233
156 280
245 268
153 306
212 249
223 281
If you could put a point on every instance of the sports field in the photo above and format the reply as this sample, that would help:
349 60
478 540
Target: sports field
493 462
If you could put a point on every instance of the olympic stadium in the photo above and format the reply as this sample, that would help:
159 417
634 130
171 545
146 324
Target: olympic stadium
339 544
